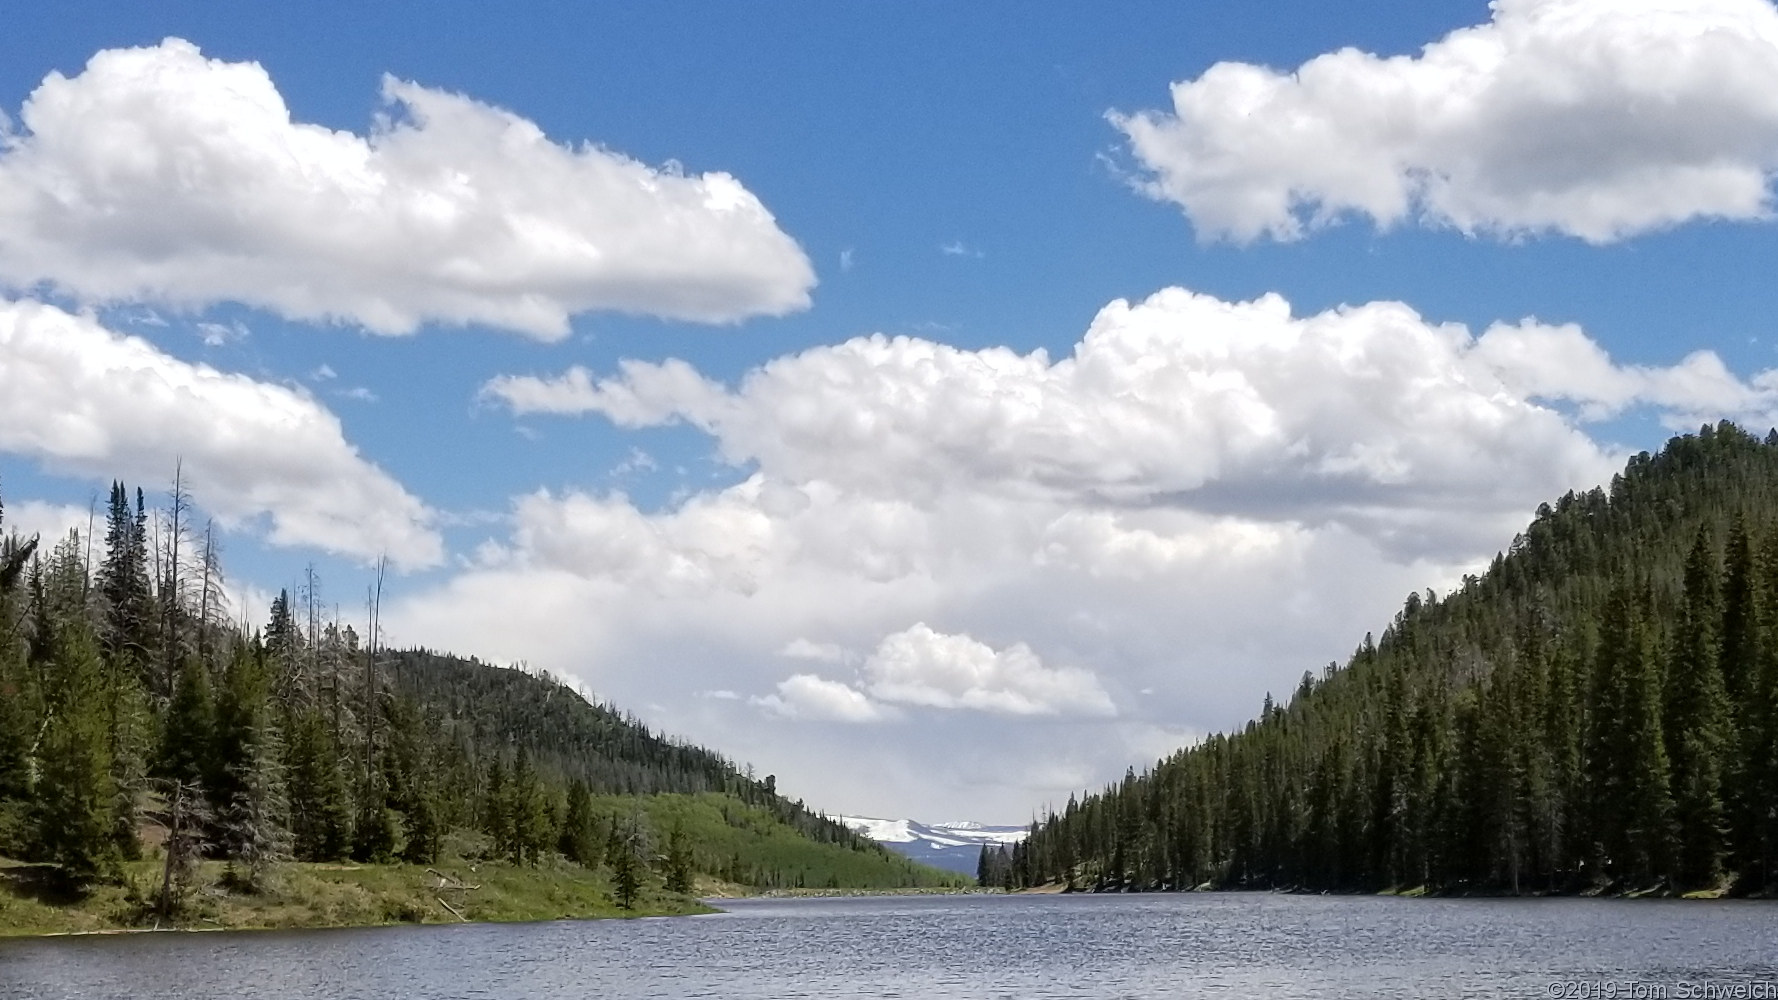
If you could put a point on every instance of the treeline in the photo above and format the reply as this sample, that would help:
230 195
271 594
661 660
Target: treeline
138 717
1597 711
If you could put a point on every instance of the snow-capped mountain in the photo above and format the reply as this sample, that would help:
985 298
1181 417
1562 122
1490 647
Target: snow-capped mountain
951 846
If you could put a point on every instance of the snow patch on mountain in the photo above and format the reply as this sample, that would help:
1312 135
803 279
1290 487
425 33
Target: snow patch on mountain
955 846
883 831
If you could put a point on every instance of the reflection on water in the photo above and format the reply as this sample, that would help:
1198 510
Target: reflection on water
1037 947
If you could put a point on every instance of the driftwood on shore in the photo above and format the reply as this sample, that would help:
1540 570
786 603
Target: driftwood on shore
448 881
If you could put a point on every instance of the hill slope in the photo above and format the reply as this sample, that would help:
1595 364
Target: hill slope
1599 710
612 753
737 827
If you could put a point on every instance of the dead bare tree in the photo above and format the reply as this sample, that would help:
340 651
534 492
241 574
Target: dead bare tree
374 602
187 813
172 589
213 603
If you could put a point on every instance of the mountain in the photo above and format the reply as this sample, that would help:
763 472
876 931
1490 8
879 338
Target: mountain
952 846
1598 711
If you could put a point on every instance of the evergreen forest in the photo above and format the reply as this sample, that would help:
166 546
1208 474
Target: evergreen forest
147 726
1597 712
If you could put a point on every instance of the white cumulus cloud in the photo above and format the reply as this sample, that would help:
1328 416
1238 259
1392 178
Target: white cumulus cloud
1561 363
806 696
919 666
51 522
1598 119
1370 416
646 395
87 401
158 175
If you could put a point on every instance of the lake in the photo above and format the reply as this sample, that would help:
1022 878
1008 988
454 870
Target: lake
1227 945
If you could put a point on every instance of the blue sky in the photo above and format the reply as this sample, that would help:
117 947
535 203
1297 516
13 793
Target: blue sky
934 576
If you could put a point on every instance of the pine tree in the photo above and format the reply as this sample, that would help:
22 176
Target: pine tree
1698 718
1390 799
497 818
320 809
530 830
627 854
127 635
1649 798
376 833
1740 641
422 826
20 699
75 796
626 878
283 643
1004 867
1606 756
580 839
1755 813
186 735
126 639
1760 744
129 744
410 775
248 789
679 861
1501 785
1562 723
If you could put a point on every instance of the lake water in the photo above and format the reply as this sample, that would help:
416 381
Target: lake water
1234 945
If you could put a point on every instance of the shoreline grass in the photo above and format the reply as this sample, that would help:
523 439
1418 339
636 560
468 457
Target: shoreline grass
306 896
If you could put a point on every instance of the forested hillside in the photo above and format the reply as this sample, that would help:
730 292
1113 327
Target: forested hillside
1598 711
142 717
